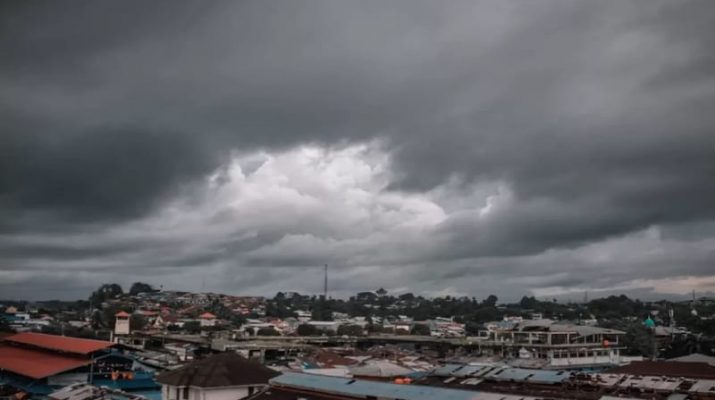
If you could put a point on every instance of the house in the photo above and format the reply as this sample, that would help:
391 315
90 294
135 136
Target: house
225 376
165 321
207 319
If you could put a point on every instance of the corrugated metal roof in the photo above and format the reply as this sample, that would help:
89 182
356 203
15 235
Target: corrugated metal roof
381 368
59 343
502 373
387 391
85 391
36 364
696 357
447 370
693 370
528 375
703 386
651 383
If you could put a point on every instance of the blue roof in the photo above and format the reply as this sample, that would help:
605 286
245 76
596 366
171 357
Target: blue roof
363 388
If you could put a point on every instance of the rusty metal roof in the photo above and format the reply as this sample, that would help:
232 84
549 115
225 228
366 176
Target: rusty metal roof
37 364
59 343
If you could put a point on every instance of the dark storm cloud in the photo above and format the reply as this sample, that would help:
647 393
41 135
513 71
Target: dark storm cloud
593 116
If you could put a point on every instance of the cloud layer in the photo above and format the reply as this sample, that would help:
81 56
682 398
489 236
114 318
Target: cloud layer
457 148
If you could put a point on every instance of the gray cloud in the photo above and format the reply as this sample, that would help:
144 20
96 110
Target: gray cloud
445 140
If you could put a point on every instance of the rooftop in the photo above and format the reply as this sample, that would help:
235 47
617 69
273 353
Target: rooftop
387 391
678 369
696 357
59 343
220 370
36 364
85 391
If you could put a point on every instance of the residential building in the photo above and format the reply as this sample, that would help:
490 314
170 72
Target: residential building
207 319
225 376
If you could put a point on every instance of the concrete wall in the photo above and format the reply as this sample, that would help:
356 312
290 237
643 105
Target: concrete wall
231 393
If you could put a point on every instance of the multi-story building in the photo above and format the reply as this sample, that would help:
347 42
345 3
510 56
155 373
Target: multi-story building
556 344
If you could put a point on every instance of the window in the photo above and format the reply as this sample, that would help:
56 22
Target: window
186 393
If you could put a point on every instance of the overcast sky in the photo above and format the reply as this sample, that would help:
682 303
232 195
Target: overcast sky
459 147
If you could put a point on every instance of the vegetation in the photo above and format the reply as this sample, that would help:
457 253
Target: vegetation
307 330
350 330
268 332
192 327
140 287
108 291
420 329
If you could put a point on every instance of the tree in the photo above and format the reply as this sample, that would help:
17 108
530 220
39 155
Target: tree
491 301
107 317
307 330
640 339
192 327
485 314
528 303
350 330
472 328
321 312
140 287
4 326
421 330
137 322
107 291
407 297
268 332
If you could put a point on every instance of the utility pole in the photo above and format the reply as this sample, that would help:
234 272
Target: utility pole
325 283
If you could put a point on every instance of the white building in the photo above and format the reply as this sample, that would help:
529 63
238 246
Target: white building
207 319
121 324
225 376
329 327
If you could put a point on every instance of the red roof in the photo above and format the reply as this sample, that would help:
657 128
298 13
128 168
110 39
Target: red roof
122 314
59 343
36 364
207 315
